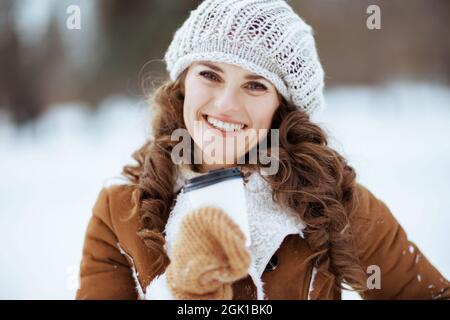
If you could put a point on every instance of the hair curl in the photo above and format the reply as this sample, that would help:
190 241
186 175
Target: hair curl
313 179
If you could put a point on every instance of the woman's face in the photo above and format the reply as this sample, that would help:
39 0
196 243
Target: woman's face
225 106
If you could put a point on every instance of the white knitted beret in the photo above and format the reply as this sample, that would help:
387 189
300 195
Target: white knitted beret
265 37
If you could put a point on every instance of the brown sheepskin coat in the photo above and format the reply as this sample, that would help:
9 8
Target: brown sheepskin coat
117 265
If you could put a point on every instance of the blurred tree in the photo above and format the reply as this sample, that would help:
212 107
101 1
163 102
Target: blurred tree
413 41
17 90
27 72
132 34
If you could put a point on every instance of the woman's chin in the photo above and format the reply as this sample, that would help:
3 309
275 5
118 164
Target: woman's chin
222 160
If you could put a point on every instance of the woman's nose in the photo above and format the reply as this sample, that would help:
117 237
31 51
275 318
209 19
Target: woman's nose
228 101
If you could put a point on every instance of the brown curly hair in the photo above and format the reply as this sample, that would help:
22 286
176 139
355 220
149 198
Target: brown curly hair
313 179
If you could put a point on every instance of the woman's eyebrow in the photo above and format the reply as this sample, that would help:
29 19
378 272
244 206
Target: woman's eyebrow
218 69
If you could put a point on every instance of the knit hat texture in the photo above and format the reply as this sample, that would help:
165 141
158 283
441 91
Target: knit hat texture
265 37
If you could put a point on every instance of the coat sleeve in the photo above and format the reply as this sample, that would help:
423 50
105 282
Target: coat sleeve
104 272
405 272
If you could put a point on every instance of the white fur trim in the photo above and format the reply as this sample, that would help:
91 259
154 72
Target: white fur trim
133 272
258 283
158 289
311 282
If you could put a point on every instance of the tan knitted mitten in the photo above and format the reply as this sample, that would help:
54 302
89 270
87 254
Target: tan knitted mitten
208 255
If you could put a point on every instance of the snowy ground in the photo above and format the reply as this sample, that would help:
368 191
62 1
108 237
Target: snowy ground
51 172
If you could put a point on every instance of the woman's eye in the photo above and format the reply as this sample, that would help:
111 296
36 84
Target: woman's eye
208 75
259 86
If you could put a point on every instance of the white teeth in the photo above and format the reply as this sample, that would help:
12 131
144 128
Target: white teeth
226 126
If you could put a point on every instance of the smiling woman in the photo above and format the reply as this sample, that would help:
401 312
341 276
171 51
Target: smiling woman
235 67
229 106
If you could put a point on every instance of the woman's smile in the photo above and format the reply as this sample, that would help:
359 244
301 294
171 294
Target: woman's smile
224 129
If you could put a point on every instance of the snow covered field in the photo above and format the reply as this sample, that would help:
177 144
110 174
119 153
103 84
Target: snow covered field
395 136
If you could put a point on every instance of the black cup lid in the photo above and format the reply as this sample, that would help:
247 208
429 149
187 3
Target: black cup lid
212 177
